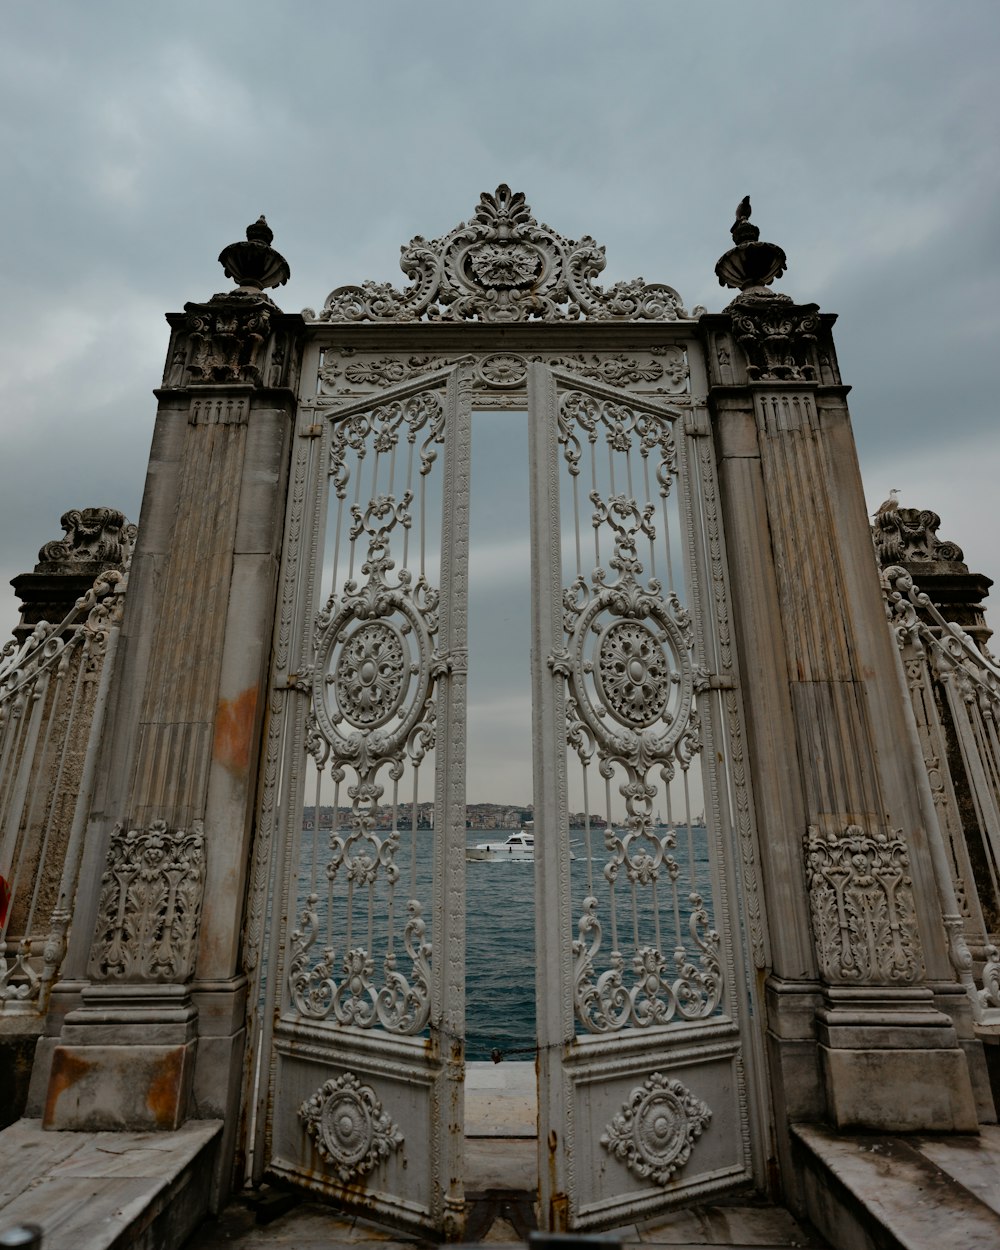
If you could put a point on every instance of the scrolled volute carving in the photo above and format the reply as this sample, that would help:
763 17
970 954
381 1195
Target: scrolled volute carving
503 265
909 535
91 536
863 915
150 904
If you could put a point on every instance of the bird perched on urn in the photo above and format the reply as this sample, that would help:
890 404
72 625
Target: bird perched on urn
888 505
742 229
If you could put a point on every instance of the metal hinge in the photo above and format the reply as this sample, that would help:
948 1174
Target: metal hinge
696 422
311 431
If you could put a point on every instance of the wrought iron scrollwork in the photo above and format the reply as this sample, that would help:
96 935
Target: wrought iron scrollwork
632 681
503 265
372 711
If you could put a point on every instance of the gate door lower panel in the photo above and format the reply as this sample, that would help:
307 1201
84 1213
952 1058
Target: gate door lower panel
643 1094
368 734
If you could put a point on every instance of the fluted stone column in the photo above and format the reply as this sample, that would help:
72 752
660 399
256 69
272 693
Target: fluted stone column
147 1025
867 1026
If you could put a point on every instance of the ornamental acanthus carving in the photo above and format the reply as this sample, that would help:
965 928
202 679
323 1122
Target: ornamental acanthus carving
150 905
228 337
503 265
861 900
663 369
654 1132
778 337
351 1129
91 536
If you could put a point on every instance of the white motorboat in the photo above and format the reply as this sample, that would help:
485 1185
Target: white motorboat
519 846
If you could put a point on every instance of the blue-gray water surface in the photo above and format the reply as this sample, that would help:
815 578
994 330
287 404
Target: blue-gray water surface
500 930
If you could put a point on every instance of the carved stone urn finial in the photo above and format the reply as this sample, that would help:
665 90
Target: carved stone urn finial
255 264
751 266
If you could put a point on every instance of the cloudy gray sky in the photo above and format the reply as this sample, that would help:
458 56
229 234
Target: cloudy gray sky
139 139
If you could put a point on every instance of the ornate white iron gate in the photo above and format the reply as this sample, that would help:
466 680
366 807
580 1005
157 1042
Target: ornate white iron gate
366 1075
356 915
643 1096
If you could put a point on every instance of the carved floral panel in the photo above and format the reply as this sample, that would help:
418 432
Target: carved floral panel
500 378
861 899
150 904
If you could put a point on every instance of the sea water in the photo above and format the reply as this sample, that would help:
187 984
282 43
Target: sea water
500 927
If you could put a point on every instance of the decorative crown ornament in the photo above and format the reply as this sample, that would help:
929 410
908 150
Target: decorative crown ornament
503 265
255 264
751 266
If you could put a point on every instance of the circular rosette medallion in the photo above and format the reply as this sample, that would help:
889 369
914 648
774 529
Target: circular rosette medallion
371 674
637 672
371 677
346 1128
660 1129
633 673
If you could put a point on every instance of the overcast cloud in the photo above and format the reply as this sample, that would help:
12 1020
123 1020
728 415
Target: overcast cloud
138 140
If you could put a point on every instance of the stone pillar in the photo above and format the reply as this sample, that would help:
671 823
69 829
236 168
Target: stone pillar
147 1025
864 1013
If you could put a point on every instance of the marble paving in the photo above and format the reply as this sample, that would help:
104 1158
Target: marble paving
89 1191
311 1226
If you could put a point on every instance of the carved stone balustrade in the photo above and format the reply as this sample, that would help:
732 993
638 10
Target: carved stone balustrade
54 679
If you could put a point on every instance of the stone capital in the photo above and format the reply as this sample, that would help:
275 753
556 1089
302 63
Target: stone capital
778 337
237 338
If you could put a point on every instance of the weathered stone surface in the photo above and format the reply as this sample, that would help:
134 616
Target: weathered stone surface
117 1088
178 762
899 1091
901 1193
92 1191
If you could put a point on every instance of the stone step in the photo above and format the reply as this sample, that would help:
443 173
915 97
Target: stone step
902 1193
107 1191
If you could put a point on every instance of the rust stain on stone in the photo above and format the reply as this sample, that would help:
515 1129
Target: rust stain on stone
164 1089
67 1069
234 724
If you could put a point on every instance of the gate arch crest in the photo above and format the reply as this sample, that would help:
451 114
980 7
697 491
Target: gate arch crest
504 265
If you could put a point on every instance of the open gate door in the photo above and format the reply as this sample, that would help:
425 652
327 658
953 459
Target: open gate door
363 1036
642 992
